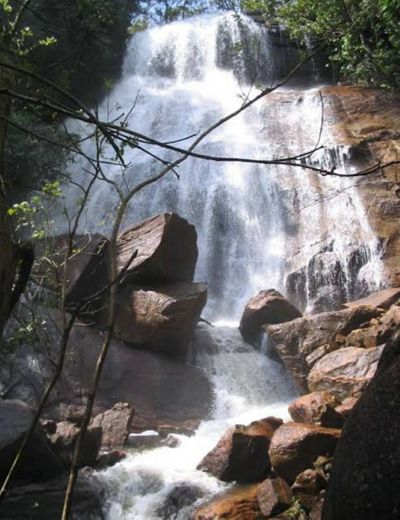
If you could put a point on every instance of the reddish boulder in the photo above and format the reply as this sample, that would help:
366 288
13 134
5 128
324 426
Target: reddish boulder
345 372
161 318
274 496
64 439
346 406
316 408
115 424
265 308
383 299
295 446
238 503
166 250
241 454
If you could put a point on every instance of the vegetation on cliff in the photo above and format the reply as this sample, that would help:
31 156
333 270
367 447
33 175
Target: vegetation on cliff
362 37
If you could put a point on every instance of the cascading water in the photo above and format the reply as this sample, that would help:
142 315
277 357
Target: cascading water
252 221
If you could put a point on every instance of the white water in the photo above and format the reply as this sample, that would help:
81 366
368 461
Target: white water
250 219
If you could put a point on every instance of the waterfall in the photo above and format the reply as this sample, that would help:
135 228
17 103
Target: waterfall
259 226
177 80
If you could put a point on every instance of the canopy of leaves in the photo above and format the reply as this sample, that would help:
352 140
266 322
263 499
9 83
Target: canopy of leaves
362 36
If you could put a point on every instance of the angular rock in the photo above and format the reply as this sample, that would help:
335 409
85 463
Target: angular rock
64 439
241 454
345 372
308 486
161 318
238 503
274 496
166 250
182 496
38 461
295 341
364 482
346 406
295 446
267 307
115 425
383 299
316 408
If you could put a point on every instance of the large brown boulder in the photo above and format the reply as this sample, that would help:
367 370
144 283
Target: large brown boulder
345 372
383 299
38 461
241 454
115 424
238 503
316 408
160 318
64 439
302 342
166 250
364 483
267 307
296 446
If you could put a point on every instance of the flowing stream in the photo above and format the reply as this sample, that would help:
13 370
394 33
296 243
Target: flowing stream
253 221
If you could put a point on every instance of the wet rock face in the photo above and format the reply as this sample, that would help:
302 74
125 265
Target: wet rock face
241 455
274 496
165 248
267 307
366 467
296 446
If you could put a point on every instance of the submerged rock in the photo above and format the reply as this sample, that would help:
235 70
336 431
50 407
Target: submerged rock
241 454
296 446
181 496
267 307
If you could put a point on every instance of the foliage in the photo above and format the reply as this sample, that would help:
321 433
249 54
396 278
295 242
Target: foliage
362 36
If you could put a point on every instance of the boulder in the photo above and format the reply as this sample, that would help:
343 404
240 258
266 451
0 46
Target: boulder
274 496
166 250
115 424
364 482
316 408
160 318
45 501
180 497
295 447
307 487
64 439
38 461
345 372
383 299
238 503
267 307
346 406
110 458
302 342
241 454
